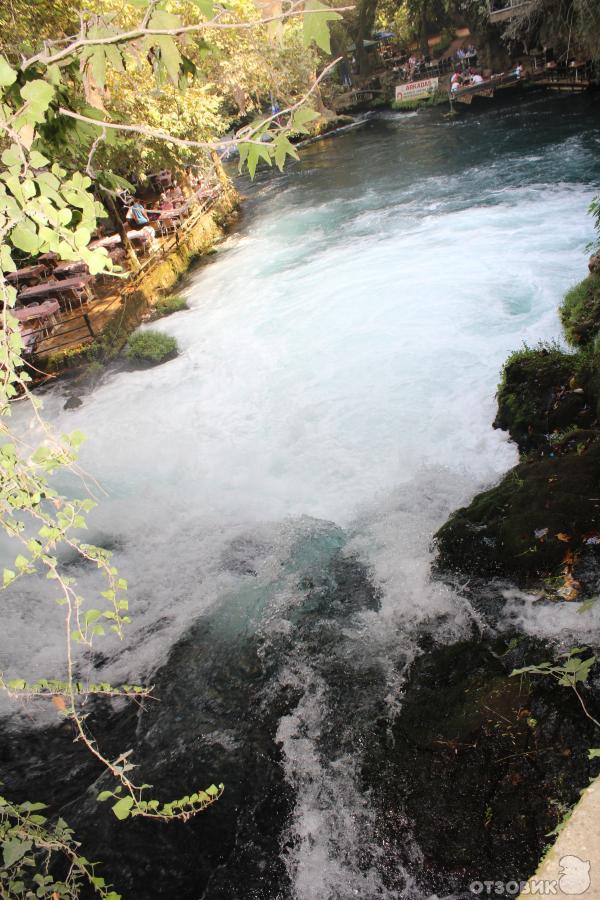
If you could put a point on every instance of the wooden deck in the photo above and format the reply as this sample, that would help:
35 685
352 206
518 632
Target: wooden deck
82 325
576 81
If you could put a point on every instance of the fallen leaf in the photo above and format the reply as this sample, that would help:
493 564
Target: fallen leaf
59 703
563 537
570 590
568 562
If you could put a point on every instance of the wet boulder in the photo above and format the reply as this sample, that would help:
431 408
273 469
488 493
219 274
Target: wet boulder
540 394
478 766
542 517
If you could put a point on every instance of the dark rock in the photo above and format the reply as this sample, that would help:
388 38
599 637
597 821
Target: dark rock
73 403
478 767
531 525
594 264
541 393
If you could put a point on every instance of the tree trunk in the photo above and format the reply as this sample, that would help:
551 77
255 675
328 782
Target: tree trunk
364 27
115 218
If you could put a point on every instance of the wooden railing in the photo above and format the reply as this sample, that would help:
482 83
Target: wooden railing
517 8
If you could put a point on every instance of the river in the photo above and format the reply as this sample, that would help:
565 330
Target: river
273 491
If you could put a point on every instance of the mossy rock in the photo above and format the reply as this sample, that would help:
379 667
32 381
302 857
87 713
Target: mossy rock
150 347
540 394
478 766
523 528
580 312
166 306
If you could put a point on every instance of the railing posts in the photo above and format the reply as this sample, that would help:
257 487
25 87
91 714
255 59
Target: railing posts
86 319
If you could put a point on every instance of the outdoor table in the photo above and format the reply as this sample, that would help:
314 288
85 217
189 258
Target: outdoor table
29 273
49 257
71 268
110 240
143 235
36 311
35 321
76 286
171 219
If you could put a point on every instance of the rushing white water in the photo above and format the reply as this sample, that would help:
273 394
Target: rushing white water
339 362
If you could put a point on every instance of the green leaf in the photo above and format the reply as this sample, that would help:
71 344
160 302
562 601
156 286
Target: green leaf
11 156
8 76
212 791
301 118
24 239
38 160
170 56
122 807
284 148
315 24
14 850
206 7
593 753
39 93
104 795
256 152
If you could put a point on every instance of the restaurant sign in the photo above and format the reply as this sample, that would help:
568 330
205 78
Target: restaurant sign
416 90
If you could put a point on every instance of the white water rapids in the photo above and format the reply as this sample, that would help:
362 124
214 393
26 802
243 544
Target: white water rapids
338 362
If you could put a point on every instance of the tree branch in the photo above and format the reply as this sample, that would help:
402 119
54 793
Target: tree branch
141 32
243 136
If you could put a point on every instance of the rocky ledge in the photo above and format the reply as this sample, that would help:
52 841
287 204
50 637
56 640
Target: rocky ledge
540 527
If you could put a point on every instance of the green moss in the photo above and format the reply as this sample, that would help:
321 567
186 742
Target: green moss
150 346
168 305
72 357
513 529
543 390
580 312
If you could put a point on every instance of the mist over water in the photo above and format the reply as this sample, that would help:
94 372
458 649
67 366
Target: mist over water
335 388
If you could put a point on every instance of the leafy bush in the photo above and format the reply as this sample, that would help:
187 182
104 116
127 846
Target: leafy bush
580 311
166 306
151 346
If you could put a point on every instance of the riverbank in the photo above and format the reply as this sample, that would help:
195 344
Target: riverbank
540 527
99 331
538 530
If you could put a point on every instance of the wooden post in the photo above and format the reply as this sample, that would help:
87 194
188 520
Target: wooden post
118 223
86 319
